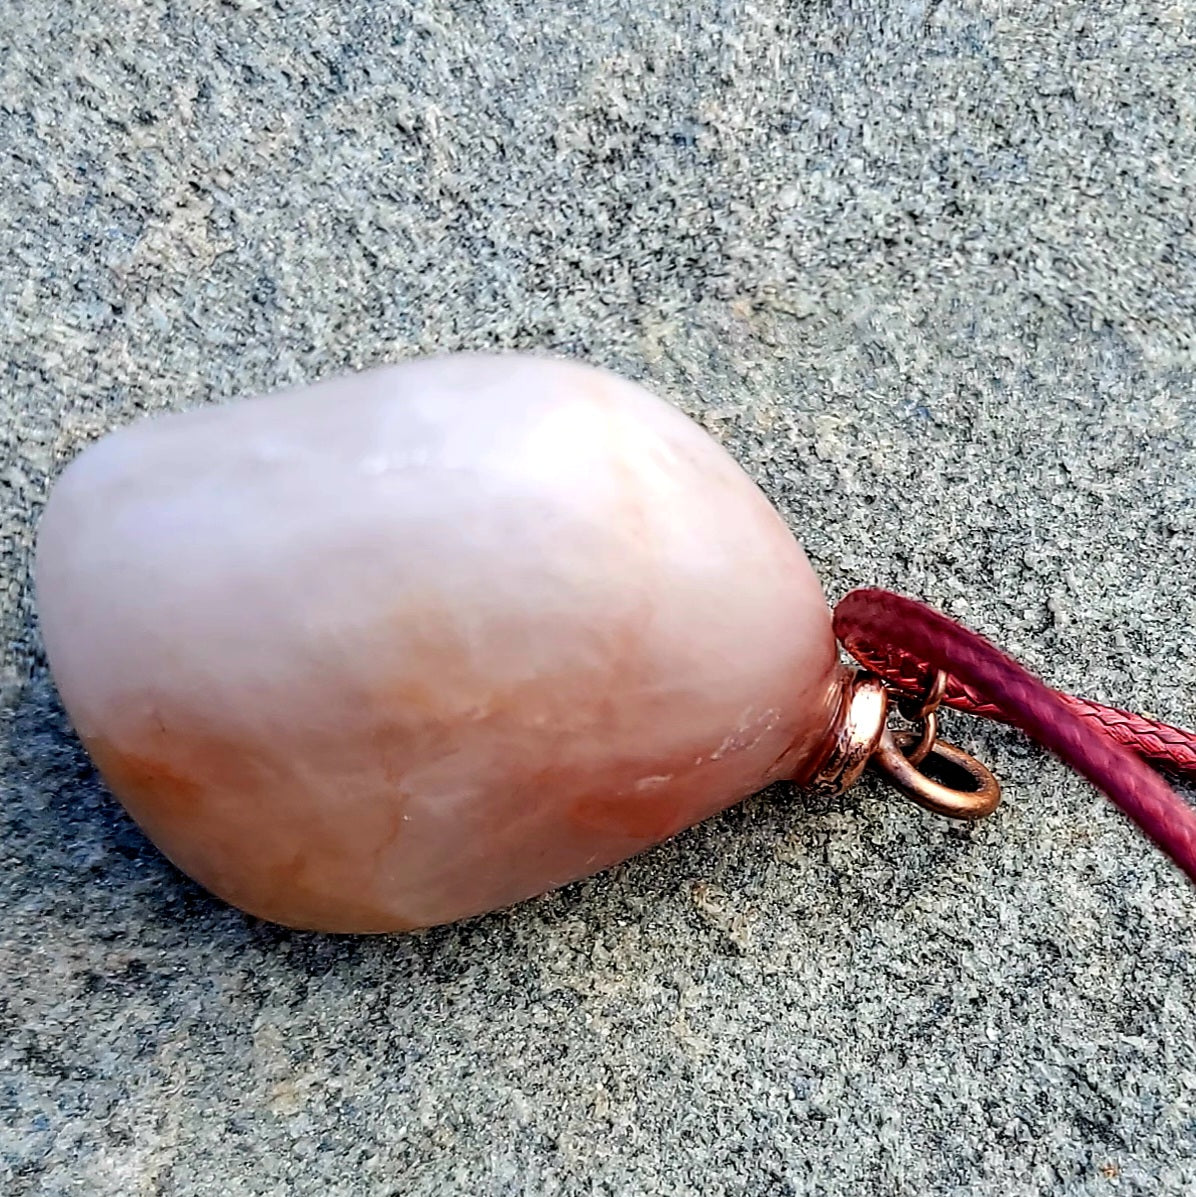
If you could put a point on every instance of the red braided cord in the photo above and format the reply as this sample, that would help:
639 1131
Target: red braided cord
905 642
1167 746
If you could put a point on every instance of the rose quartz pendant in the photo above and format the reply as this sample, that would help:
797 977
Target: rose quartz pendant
408 646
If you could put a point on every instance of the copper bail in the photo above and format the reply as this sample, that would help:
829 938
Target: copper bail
862 736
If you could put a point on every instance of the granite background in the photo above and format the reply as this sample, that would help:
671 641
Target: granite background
929 271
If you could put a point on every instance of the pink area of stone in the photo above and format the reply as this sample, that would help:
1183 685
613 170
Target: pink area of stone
408 646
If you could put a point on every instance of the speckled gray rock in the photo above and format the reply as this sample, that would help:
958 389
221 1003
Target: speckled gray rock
929 272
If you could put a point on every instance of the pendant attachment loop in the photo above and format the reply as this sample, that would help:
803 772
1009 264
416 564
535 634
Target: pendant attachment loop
976 802
916 709
918 748
863 715
862 736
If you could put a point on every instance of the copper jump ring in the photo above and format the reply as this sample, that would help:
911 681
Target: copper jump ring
900 755
974 803
861 736
916 709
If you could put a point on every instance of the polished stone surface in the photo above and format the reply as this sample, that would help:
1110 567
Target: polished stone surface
417 643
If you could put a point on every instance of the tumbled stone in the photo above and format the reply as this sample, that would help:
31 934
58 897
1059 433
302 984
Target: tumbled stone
407 646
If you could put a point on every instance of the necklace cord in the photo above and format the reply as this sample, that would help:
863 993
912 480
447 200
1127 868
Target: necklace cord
906 643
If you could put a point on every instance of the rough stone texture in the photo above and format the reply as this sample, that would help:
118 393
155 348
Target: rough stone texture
929 272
